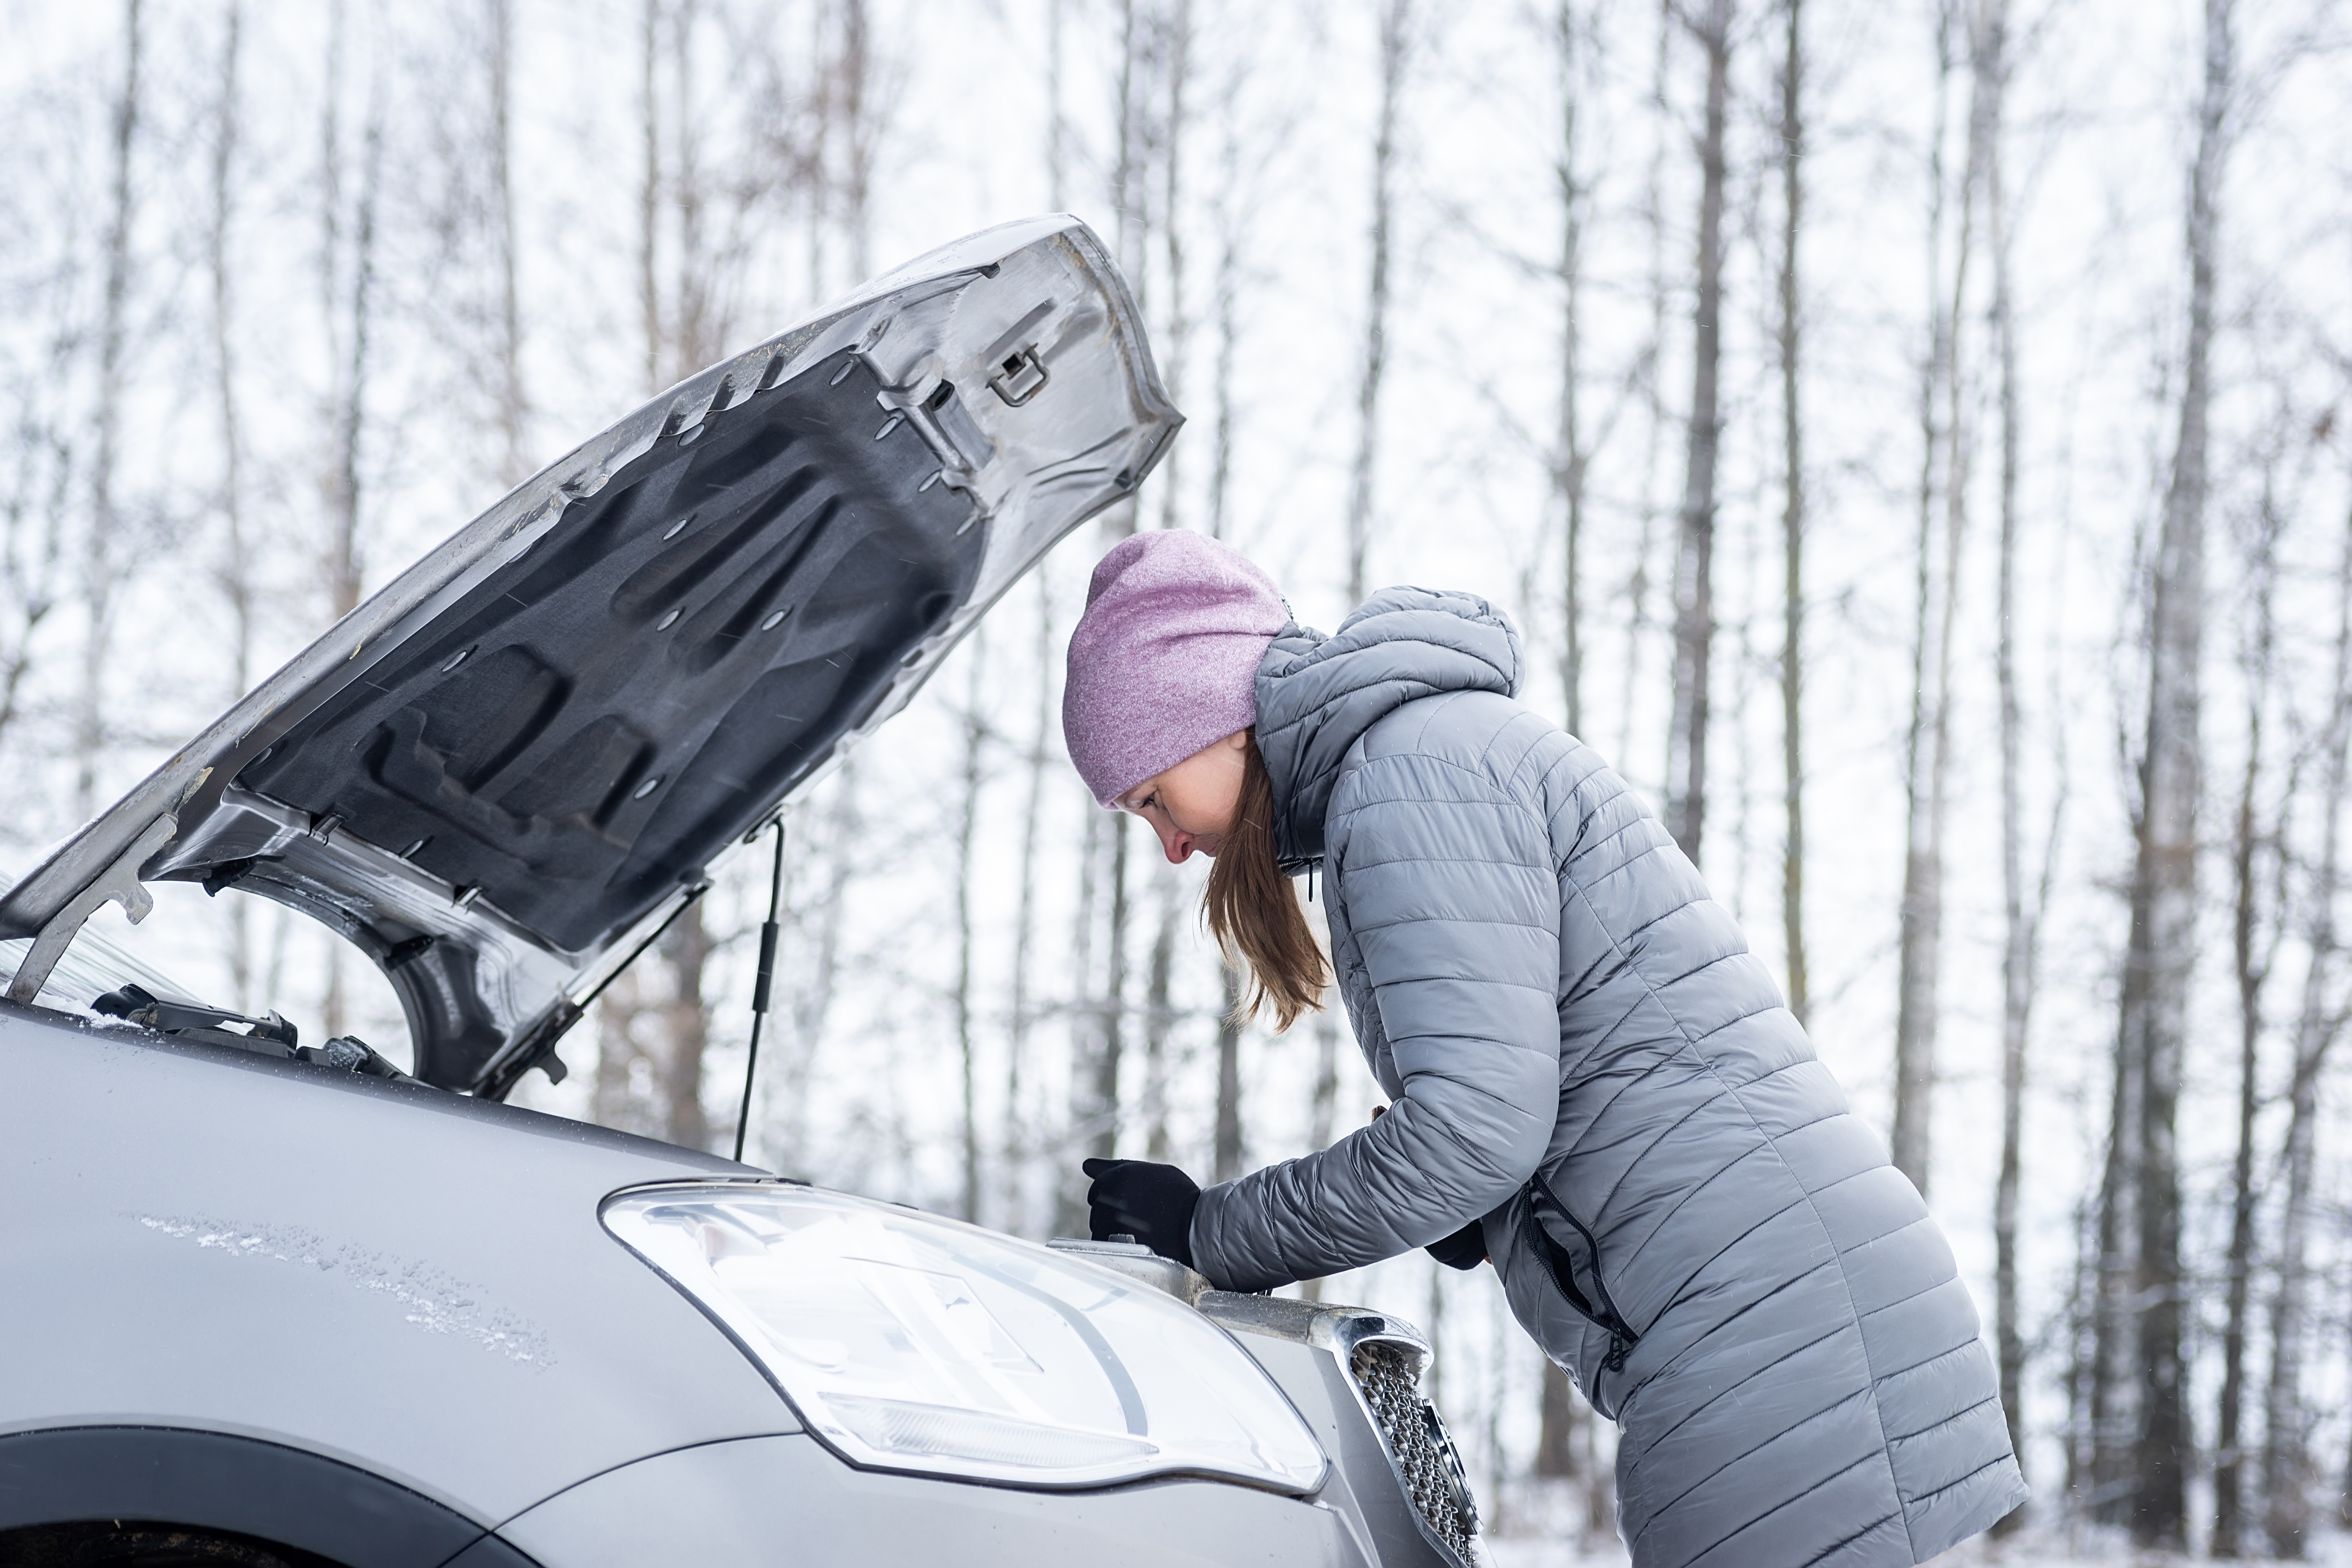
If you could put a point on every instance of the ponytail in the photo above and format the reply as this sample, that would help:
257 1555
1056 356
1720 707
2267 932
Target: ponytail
1251 909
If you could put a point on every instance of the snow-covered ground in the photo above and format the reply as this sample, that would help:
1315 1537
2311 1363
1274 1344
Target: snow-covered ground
2029 1551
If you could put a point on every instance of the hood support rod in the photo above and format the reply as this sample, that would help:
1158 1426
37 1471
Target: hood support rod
763 986
119 882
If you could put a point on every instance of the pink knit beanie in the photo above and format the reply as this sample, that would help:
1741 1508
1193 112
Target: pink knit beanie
1164 661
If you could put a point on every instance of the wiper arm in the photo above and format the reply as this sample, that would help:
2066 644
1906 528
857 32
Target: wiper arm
271 1036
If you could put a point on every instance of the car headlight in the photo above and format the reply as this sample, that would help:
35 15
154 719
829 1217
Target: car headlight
908 1342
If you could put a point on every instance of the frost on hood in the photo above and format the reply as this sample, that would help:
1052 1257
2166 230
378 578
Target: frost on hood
432 1300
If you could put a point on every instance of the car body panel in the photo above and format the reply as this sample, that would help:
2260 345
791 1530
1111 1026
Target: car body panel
772 1499
384 1273
507 769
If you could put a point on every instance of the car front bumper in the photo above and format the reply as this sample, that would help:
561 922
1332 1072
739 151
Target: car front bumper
787 1498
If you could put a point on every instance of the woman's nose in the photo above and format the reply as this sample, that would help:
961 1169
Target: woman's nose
1177 845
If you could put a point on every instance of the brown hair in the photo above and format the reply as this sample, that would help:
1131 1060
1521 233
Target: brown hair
1252 908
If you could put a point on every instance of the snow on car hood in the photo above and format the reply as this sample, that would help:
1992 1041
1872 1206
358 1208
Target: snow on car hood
501 774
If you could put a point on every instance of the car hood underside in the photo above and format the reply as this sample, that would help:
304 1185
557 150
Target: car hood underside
505 772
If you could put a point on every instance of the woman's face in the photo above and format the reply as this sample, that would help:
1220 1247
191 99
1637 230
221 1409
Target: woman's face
1191 804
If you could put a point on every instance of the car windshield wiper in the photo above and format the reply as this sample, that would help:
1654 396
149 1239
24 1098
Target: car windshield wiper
271 1036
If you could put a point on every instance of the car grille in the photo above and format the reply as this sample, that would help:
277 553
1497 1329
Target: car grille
1389 1376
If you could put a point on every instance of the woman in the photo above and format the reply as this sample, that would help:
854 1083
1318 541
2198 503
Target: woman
1593 1084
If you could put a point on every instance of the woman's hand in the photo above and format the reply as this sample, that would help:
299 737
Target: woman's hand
1153 1203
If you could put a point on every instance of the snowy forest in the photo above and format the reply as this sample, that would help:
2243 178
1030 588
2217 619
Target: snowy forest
1914 440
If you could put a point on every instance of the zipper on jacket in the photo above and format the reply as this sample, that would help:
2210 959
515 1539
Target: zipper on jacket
1598 1309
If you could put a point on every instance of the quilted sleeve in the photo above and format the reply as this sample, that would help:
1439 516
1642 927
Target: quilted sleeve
1453 902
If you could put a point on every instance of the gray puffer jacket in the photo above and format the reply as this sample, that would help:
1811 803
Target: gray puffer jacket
1579 1049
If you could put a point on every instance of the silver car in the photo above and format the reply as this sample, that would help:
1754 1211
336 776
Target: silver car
263 1301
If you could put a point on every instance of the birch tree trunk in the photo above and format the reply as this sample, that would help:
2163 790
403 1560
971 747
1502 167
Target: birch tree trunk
234 571
1695 555
819 940
1159 1014
1079 1132
1362 499
1568 457
1919 940
2287 1469
1227 1154
348 284
514 395
2141 1290
1323 1102
612 1098
2252 953
1111 1013
649 193
2021 910
1654 228
1015 1141
970 779
1792 518
685 951
102 545
1363 502
1173 53
1227 1146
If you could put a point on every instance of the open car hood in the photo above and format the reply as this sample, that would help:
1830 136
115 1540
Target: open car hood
505 772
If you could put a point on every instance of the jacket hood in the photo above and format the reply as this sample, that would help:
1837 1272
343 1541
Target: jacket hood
1317 694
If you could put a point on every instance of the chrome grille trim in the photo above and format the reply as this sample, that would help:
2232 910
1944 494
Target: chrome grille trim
1387 1374
1381 1358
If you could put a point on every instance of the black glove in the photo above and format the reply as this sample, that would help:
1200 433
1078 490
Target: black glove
1153 1203
1465 1248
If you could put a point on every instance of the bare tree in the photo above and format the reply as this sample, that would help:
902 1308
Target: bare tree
1695 553
1111 1012
973 735
827 865
233 571
2022 910
649 190
1323 1099
1395 48
1080 1128
1792 515
347 264
103 546
1927 772
514 396
347 284
1171 55
2254 867
1568 457
613 1100
685 951
1230 216
2287 1471
32 547
1653 228
2144 1439
1228 1153
1160 1013
1024 1006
